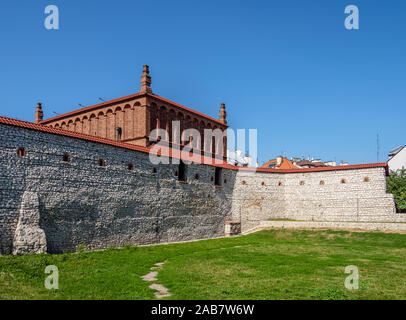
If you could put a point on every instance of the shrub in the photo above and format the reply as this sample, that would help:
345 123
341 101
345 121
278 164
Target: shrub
396 184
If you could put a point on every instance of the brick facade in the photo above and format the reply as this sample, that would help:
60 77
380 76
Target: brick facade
131 119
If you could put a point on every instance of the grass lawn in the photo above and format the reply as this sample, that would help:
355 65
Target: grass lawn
271 264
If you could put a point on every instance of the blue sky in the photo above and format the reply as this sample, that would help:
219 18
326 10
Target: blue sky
287 68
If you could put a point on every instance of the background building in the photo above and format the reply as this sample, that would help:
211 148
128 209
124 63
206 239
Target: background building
397 159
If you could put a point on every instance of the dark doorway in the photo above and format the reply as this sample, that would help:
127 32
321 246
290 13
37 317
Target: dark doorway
182 171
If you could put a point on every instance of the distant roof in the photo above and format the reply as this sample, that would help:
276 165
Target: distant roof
310 163
394 152
285 164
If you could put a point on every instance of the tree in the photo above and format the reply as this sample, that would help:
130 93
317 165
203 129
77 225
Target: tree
396 184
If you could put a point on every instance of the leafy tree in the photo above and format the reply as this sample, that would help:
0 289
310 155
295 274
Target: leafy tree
396 184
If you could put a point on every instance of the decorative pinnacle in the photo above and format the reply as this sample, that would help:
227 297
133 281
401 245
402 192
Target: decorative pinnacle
145 80
223 113
39 115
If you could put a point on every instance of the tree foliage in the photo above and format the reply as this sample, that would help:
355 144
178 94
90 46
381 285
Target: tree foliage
396 184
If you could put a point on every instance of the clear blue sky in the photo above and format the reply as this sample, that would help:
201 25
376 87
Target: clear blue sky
288 68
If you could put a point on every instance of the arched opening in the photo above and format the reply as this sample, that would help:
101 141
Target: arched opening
118 133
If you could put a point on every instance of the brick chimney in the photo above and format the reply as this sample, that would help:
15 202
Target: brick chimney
223 114
145 80
39 115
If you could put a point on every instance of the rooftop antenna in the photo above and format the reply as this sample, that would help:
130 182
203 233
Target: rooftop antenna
55 113
101 99
80 105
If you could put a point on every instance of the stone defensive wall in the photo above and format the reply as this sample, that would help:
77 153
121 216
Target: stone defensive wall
104 195
60 190
354 193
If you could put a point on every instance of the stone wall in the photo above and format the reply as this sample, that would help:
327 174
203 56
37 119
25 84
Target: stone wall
353 195
81 202
129 200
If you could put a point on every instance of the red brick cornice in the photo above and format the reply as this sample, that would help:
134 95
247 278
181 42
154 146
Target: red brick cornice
125 99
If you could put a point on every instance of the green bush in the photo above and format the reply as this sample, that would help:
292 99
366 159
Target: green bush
396 184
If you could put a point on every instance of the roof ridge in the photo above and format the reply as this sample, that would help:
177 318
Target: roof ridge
128 97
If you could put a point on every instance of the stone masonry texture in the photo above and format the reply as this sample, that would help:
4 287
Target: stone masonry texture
78 202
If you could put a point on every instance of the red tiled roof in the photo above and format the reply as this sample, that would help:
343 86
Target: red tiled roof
176 153
126 98
328 168
286 164
188 109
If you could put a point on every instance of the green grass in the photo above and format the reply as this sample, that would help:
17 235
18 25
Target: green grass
271 264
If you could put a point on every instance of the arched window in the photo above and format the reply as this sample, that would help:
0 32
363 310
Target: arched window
244 182
366 179
263 183
302 183
118 133
322 183
101 163
280 183
130 166
343 181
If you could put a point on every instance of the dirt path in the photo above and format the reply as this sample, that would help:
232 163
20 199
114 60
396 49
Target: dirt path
162 292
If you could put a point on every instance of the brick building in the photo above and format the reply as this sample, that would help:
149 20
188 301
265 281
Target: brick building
131 119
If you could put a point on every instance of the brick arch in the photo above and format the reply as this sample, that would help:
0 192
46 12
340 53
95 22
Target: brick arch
78 125
154 117
110 119
119 121
188 124
163 118
85 125
128 122
171 117
101 124
214 147
181 118
57 125
202 126
70 125
63 125
92 125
